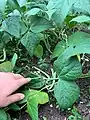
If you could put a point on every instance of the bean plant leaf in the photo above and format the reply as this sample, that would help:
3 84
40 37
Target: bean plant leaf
14 107
63 7
77 38
35 97
14 26
6 67
2 5
66 93
36 82
4 39
39 24
22 2
33 11
13 4
3 115
50 12
41 97
34 4
78 43
81 19
59 48
30 41
38 51
32 108
82 6
69 70
53 4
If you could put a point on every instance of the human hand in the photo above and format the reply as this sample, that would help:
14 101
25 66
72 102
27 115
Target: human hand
9 83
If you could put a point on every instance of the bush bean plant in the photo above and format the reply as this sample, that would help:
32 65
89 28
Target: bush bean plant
29 28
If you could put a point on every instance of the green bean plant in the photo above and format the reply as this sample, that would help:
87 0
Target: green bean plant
31 25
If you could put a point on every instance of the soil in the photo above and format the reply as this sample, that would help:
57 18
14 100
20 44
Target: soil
50 112
83 106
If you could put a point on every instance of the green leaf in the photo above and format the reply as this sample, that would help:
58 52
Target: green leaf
30 41
39 24
59 48
14 107
69 70
2 5
38 51
34 4
77 38
32 108
41 97
35 97
23 28
14 59
77 43
4 39
36 83
62 11
6 67
52 7
80 19
82 6
66 93
13 4
3 115
33 11
22 2
14 26
50 13
53 4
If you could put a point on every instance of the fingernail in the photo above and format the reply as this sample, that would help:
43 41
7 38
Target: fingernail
22 96
28 79
18 76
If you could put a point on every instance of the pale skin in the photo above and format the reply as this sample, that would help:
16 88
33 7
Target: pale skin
9 83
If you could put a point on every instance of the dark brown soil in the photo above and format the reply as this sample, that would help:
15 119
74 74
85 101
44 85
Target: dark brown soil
50 112
82 106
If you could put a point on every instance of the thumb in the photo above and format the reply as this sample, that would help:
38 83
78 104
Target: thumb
14 98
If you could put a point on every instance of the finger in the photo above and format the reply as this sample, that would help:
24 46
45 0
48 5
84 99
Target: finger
18 83
17 76
14 98
22 81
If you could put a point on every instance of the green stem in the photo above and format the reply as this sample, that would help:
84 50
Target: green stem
44 78
4 55
84 76
47 45
41 71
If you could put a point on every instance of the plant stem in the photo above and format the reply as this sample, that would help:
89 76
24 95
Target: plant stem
4 55
44 78
41 71
85 75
